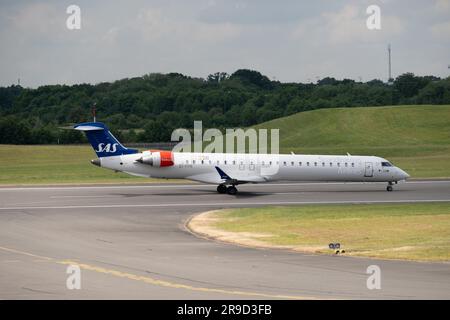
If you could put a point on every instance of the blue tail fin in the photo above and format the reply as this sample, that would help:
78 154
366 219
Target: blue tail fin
102 140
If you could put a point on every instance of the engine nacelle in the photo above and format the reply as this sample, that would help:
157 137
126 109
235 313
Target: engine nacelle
157 158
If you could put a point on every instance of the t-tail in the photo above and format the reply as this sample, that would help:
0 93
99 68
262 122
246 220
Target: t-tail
102 140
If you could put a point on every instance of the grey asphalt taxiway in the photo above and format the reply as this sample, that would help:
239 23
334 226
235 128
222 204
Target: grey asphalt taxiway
130 242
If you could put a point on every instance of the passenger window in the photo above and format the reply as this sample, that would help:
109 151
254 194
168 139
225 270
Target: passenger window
307 164
315 164
300 164
193 161
292 163
331 164
346 164
353 164
323 164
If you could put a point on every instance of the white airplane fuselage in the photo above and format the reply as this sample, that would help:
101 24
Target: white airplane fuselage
255 168
230 169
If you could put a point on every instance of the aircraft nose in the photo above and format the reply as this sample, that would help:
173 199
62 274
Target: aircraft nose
403 174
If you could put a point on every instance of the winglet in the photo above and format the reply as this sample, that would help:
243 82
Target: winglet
222 174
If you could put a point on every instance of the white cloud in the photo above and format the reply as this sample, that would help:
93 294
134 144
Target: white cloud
442 5
111 35
35 22
441 31
38 17
154 24
347 26
292 41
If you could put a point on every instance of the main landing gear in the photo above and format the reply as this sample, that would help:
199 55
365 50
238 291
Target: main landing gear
221 188
389 187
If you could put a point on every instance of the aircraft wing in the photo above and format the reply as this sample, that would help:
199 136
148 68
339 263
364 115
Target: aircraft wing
239 179
219 176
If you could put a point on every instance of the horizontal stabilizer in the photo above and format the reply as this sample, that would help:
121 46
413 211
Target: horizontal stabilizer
90 126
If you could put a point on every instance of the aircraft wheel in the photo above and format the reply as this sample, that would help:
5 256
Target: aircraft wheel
389 188
231 190
221 188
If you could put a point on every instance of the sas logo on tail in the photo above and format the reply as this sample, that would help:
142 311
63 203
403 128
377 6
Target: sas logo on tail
106 147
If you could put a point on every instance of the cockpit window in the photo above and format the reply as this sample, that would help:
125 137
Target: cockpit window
386 164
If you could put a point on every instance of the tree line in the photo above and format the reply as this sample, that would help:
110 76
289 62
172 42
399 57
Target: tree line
148 108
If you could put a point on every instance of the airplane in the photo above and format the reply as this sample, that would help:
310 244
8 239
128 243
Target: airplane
227 170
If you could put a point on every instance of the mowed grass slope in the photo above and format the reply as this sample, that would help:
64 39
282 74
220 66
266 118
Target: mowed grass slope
393 231
416 138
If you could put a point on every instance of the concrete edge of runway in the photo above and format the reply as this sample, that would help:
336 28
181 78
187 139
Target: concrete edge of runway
204 236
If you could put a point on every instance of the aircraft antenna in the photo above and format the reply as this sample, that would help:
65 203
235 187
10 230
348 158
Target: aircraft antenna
94 111
389 62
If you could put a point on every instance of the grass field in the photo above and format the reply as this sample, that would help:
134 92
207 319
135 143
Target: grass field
392 231
416 138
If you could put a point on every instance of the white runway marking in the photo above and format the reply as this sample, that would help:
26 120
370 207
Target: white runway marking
63 197
221 204
160 186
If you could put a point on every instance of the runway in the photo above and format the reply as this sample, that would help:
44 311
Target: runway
130 243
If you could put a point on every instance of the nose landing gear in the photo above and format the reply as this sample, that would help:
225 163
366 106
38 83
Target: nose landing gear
389 187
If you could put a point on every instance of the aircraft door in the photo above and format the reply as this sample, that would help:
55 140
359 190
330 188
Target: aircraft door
368 170
241 164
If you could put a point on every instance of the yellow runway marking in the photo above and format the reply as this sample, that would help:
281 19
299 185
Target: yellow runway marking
153 281
168 284
25 253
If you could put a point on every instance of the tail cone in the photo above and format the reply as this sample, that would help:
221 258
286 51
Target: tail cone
96 162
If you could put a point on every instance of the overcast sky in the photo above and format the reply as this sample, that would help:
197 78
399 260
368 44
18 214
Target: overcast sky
289 40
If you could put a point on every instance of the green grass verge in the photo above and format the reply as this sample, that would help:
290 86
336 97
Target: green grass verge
56 164
392 231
